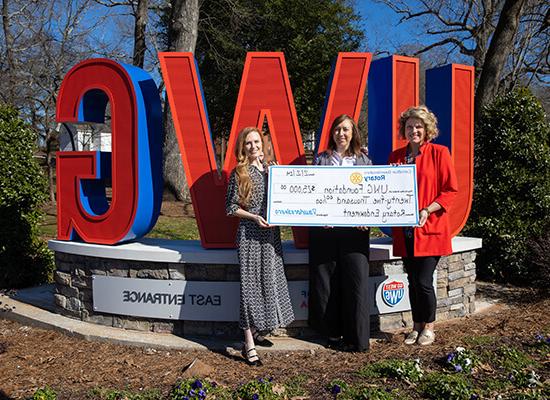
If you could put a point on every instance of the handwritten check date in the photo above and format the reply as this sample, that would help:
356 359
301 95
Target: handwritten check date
342 196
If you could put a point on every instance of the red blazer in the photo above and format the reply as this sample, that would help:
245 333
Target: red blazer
436 181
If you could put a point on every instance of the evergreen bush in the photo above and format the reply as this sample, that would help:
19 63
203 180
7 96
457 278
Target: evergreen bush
512 186
24 259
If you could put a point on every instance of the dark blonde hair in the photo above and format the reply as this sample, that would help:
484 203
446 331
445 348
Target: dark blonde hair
427 117
355 143
241 170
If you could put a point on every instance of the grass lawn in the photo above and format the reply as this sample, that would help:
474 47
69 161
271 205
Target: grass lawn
174 227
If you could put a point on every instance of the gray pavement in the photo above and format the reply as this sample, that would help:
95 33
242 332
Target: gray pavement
34 307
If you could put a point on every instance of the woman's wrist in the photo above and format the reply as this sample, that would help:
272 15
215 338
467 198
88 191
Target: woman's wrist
427 210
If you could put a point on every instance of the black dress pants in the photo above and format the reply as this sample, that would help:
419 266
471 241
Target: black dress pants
420 272
338 284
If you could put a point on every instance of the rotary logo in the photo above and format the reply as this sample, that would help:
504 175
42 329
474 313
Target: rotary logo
356 178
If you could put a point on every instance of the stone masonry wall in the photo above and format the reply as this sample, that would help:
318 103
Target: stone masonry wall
456 289
73 298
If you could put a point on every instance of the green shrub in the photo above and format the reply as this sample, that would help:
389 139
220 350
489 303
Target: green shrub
197 389
483 340
380 394
440 386
539 257
44 394
116 394
409 371
512 185
537 394
461 360
370 393
343 391
294 386
511 359
525 379
259 389
24 258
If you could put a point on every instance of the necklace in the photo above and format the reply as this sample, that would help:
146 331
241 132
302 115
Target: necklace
409 158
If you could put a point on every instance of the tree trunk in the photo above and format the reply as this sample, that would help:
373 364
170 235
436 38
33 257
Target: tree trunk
483 35
501 45
139 32
182 36
8 43
50 167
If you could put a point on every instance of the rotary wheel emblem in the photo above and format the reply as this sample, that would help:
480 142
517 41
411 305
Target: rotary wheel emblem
356 178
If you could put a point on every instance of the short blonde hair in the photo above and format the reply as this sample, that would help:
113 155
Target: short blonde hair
427 117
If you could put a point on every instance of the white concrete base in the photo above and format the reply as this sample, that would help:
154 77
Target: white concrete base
190 251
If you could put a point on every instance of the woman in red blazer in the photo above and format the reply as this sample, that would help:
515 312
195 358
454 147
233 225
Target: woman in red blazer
422 246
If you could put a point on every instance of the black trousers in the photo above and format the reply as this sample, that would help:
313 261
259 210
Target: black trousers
420 272
338 284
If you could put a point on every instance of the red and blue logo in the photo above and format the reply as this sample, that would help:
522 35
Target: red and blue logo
393 292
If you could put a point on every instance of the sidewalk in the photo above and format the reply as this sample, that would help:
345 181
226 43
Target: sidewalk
34 307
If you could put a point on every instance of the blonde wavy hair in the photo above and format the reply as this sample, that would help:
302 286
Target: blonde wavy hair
241 170
427 117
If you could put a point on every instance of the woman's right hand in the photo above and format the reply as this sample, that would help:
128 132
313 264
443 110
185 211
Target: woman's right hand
261 221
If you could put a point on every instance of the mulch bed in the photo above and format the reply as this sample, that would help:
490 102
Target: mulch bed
32 358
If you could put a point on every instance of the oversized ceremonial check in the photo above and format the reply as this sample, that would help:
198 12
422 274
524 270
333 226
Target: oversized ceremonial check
342 196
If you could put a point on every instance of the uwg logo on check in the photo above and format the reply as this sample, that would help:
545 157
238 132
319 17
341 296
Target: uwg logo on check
135 165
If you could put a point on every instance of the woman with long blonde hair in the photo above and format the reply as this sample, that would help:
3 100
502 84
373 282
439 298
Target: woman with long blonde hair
264 298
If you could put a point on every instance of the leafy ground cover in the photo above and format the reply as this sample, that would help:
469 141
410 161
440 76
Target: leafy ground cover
504 351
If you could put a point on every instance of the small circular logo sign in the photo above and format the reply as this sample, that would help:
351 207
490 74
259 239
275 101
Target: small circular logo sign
356 178
393 292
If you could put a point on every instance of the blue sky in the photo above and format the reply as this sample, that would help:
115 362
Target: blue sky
380 24
384 32
384 35
381 27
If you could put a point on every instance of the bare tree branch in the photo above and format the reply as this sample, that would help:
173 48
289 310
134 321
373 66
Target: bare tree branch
456 42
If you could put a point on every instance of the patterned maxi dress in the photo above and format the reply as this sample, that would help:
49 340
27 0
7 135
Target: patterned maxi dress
265 302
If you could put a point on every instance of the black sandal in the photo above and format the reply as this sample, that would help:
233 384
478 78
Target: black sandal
335 343
251 356
259 340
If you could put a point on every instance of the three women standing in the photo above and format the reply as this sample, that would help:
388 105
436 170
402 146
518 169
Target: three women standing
421 247
264 298
339 258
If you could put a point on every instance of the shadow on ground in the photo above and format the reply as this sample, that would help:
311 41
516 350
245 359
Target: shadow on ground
509 294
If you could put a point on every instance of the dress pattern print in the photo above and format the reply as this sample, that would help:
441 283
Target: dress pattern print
264 298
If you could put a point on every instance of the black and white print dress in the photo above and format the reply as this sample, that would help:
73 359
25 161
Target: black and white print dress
265 302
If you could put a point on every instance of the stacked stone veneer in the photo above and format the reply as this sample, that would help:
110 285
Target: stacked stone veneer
456 289
73 298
